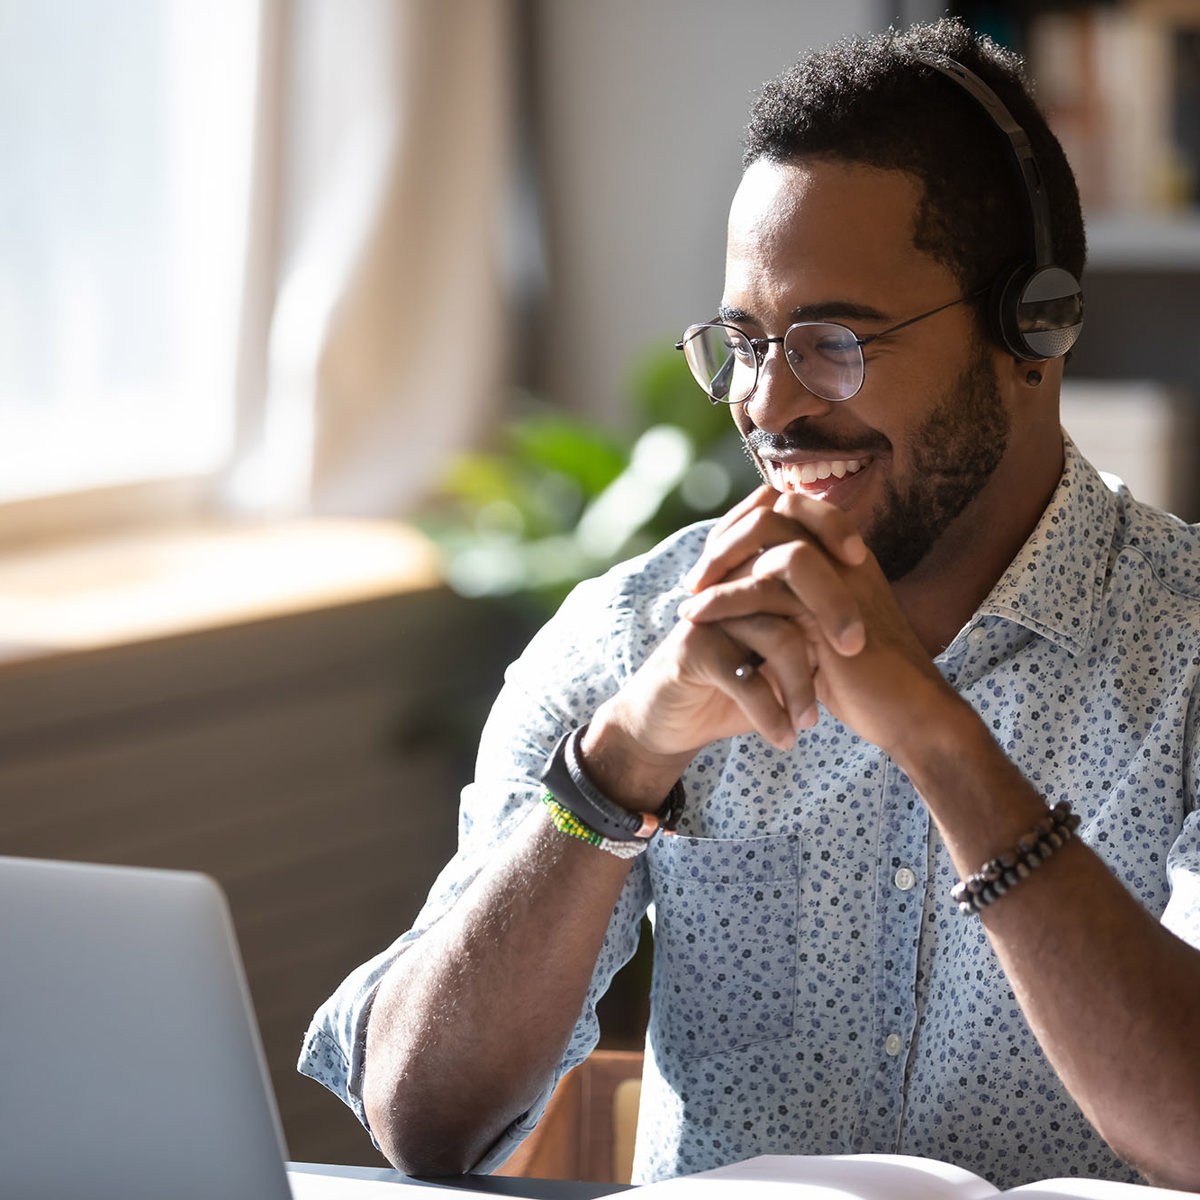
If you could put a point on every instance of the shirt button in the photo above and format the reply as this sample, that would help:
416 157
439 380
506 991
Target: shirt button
893 1044
975 638
905 879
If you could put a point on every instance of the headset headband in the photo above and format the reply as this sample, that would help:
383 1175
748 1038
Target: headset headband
1031 176
1036 310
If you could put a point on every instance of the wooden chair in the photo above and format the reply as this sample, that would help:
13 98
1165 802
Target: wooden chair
588 1128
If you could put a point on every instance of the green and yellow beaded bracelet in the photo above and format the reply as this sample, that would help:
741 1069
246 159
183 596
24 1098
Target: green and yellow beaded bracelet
565 821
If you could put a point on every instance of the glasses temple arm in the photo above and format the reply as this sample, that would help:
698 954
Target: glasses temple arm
871 337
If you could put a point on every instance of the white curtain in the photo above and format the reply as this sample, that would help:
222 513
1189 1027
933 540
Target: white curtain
374 328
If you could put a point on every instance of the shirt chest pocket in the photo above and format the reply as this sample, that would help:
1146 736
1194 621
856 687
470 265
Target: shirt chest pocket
726 935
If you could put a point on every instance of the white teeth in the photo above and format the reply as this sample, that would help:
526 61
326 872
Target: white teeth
796 475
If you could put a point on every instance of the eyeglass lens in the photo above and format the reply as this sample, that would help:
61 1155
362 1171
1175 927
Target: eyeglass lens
826 358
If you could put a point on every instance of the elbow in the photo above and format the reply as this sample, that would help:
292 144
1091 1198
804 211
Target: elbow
427 1159
418 1135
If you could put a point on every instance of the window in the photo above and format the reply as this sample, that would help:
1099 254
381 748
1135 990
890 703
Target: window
124 201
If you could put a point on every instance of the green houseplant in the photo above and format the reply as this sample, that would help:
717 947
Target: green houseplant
562 498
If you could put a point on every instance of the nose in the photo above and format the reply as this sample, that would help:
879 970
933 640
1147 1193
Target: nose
780 398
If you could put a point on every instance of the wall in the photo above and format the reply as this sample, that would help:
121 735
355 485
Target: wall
641 108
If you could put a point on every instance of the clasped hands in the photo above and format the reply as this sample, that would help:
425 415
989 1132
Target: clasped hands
790 613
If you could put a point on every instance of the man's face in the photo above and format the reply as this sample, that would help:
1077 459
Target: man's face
910 457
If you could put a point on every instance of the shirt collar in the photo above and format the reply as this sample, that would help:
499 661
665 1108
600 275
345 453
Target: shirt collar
1053 586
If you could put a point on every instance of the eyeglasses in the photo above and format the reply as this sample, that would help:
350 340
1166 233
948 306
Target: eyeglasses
826 357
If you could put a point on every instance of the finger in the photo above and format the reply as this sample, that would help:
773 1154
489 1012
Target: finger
761 498
742 596
827 603
789 518
736 670
827 523
746 669
729 549
754 660
779 651
797 580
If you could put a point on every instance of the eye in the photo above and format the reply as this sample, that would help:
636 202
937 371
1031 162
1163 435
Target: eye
837 344
742 350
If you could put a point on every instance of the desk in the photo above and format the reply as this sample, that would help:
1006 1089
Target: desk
531 1189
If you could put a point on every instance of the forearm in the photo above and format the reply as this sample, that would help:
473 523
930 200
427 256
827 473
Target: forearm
1110 995
1108 992
471 1021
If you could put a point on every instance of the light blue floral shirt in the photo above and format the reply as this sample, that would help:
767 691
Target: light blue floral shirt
814 989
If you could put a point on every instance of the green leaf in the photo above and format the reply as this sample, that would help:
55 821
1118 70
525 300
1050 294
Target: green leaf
666 394
584 453
565 497
477 479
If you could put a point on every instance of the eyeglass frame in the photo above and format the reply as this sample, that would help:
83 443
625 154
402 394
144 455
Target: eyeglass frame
761 345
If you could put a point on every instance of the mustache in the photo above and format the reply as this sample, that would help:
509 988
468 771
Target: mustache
810 441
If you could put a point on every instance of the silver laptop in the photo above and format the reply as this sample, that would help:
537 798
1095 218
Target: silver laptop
130 1064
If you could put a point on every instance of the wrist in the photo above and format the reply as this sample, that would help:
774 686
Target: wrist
937 722
622 768
948 743
580 808
978 797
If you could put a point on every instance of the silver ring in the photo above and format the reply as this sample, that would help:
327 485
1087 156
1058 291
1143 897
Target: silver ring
745 670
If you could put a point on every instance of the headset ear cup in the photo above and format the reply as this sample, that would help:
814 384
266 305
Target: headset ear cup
1049 312
1037 313
1004 304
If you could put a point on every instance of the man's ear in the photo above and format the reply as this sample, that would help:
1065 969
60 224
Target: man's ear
1018 376
1031 390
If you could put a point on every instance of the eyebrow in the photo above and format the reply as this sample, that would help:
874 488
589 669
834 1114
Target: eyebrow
829 310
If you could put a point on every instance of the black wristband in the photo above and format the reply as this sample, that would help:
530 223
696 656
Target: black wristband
566 780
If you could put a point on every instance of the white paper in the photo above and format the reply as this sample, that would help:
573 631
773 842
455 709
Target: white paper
309 1186
1094 1189
829 1177
877 1177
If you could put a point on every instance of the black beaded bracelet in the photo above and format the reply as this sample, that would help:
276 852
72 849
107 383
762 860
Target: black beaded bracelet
997 875
565 779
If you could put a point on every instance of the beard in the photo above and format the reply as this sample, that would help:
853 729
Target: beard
954 452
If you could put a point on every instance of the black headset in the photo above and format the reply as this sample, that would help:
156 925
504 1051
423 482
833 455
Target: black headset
1037 309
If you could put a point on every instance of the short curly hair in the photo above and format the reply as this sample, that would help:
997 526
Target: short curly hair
866 100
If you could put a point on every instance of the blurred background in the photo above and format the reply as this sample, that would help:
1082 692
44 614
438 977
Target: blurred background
335 343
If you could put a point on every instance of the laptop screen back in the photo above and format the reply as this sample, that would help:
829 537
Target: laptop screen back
130 1064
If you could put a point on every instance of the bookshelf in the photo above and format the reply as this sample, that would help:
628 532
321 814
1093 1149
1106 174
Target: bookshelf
1120 82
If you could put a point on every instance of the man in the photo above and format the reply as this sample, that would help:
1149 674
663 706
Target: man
872 675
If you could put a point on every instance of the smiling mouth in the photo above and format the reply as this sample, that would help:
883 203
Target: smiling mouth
812 477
